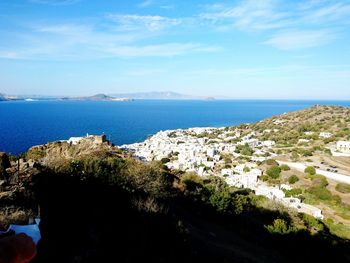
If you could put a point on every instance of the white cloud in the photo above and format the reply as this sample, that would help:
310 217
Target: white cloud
163 50
249 15
138 22
287 26
84 41
295 40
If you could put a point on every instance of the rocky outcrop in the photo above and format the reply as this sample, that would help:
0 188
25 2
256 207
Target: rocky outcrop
4 164
58 154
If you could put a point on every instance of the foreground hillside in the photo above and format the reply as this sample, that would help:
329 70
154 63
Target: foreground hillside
98 204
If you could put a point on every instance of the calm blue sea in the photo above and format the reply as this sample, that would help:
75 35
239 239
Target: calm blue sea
24 124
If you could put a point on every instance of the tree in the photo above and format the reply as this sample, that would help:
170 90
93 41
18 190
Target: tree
274 172
310 170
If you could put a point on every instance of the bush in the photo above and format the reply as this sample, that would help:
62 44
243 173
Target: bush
319 180
293 192
312 222
285 167
280 226
165 160
321 193
306 153
246 169
274 172
310 170
244 150
343 188
271 162
293 179
192 181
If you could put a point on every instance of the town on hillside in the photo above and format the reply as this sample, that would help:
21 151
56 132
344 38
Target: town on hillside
287 158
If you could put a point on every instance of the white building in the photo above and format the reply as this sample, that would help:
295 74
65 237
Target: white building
270 192
343 146
268 143
227 172
74 140
296 204
325 135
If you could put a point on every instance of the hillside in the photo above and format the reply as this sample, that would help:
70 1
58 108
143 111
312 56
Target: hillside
97 202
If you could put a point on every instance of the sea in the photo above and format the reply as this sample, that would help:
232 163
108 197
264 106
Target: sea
27 123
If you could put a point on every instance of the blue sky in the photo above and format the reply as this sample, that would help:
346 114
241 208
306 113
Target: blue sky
235 49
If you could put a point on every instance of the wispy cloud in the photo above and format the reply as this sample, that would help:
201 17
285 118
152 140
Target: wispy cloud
137 22
86 41
55 2
288 26
295 40
163 50
249 15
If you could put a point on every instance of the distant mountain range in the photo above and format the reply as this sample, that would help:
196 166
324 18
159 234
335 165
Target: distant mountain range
169 95
156 95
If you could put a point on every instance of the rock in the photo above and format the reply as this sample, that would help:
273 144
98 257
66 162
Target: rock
4 161
4 164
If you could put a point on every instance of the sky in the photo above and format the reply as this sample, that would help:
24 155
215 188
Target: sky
256 49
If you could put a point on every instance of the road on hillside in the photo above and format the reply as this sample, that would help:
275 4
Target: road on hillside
334 176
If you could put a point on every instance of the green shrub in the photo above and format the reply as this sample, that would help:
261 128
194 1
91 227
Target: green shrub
271 162
343 188
310 170
246 169
192 181
306 153
280 226
165 160
293 179
312 222
319 180
293 192
244 150
285 167
321 193
274 172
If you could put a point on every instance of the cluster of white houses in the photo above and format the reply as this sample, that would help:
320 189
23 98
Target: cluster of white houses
192 150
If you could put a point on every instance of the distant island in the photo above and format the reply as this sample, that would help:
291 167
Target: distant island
155 95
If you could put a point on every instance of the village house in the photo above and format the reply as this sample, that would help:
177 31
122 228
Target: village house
325 135
343 146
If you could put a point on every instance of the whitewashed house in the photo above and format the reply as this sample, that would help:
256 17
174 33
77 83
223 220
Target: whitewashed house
268 143
227 172
272 193
325 135
343 146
